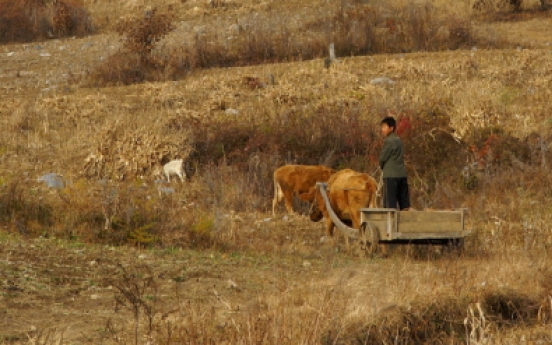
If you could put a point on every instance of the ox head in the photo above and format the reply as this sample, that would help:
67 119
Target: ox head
317 206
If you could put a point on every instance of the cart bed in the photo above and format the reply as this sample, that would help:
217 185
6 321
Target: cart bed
413 225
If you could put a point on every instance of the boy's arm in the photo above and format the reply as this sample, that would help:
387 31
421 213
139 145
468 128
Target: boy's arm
385 153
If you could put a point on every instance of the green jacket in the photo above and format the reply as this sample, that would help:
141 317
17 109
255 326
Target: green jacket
391 158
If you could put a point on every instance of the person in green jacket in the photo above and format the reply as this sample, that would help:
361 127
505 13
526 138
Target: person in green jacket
391 161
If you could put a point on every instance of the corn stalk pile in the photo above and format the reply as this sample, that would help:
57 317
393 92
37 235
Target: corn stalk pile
122 154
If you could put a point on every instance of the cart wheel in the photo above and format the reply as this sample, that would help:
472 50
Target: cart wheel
369 238
362 242
456 243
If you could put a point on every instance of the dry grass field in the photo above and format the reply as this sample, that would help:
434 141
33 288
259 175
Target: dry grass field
116 257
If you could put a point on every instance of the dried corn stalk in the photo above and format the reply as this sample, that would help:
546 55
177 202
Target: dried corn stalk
122 153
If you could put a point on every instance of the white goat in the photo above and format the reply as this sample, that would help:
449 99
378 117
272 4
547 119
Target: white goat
174 167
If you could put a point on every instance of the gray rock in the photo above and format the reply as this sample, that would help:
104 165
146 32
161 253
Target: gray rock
166 190
53 180
382 81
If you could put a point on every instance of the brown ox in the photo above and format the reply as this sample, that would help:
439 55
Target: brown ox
349 191
296 179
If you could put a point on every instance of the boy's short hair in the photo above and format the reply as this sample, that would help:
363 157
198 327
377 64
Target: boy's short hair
390 122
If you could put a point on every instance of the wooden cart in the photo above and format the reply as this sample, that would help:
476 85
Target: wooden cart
387 225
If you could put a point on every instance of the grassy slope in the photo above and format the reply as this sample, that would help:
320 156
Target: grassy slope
62 287
65 288
506 87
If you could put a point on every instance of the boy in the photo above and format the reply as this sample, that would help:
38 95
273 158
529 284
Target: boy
391 161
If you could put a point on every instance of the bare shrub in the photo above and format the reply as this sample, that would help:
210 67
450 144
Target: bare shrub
28 20
137 290
135 62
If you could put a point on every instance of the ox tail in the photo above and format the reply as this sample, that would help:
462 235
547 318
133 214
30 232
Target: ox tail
278 195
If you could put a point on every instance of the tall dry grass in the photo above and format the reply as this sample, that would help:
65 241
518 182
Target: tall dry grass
447 300
29 20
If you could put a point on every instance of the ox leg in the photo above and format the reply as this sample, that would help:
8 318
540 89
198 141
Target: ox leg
277 197
181 177
329 228
330 231
274 203
168 177
288 199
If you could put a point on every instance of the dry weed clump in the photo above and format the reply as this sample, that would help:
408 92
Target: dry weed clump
22 212
456 319
494 9
28 20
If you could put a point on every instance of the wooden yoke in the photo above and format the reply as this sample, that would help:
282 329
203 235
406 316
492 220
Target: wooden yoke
346 230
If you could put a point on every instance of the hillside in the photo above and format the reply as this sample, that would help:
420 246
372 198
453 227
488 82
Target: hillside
205 260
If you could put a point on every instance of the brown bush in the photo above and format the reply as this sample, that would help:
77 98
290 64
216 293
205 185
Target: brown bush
27 20
21 212
135 62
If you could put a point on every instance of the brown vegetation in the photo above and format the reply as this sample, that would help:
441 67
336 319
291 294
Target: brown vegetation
116 257
28 20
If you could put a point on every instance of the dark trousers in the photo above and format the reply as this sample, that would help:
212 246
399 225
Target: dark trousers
395 192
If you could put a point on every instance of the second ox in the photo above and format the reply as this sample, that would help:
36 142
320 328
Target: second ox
349 191
292 180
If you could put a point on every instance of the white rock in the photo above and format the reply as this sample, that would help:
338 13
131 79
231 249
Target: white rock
382 81
142 256
232 284
44 54
10 53
266 220
94 296
231 111
306 264
92 263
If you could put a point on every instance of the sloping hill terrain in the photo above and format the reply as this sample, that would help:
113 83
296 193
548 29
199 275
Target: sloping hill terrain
204 261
